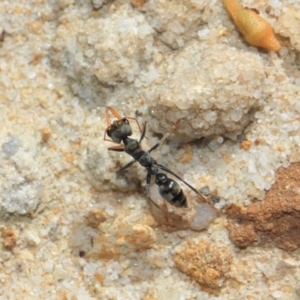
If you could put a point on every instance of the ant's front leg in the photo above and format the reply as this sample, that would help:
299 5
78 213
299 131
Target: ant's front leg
118 148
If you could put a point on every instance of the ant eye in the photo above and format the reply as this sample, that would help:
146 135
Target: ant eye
125 121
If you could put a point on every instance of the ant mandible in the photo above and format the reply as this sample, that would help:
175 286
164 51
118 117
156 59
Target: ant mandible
119 131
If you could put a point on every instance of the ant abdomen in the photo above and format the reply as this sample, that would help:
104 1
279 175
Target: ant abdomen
170 190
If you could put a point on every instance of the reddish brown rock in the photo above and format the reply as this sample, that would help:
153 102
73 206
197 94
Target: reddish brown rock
274 221
46 134
9 238
245 145
138 3
207 264
95 217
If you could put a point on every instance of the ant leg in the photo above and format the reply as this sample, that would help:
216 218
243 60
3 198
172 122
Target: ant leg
114 112
179 178
137 122
154 147
165 136
118 148
106 139
169 132
118 116
126 166
108 122
148 180
143 132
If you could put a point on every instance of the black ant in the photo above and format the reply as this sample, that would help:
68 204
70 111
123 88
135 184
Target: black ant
119 131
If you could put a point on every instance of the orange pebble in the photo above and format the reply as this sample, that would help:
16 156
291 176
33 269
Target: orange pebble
256 30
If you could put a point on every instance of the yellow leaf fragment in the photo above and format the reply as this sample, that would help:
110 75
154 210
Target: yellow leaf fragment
256 30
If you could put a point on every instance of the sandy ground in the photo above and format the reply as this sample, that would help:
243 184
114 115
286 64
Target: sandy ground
71 228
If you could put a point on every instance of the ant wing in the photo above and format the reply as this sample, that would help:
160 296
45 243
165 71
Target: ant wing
151 190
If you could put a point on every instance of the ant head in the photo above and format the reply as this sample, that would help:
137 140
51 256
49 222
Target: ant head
119 130
160 178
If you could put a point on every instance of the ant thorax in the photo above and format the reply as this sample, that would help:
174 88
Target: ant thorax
148 162
132 147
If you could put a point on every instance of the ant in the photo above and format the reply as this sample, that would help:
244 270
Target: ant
119 131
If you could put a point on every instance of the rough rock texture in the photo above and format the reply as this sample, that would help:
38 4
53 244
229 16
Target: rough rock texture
92 49
9 238
276 220
131 238
181 22
109 54
289 26
216 100
20 183
96 217
96 163
205 263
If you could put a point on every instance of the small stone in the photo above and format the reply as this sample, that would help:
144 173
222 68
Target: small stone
205 214
11 147
46 134
214 199
95 217
277 294
32 239
245 145
150 296
160 263
48 267
60 273
138 3
69 157
204 190
35 26
10 238
98 3
99 277
110 210
236 115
